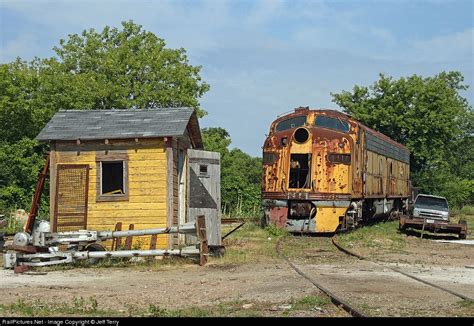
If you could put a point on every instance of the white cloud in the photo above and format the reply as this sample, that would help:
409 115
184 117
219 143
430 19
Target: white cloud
261 58
23 46
458 46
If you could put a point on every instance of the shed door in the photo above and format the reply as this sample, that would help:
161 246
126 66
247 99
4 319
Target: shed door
204 192
70 211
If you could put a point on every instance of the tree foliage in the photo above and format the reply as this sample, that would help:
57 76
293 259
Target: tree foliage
128 68
240 174
19 166
112 69
431 118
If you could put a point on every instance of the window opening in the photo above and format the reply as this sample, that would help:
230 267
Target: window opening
300 174
112 178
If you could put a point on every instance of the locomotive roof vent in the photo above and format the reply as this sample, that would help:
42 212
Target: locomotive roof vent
301 135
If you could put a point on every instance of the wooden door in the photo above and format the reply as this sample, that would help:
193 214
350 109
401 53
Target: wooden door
72 184
204 192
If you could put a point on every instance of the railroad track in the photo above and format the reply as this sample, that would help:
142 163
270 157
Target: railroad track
353 254
341 302
334 298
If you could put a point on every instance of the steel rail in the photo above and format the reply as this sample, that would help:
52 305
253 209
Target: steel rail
350 253
335 299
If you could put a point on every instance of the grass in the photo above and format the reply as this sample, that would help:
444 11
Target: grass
89 307
250 243
38 308
465 214
466 304
384 235
311 301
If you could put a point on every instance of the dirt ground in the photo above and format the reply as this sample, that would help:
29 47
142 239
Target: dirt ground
265 285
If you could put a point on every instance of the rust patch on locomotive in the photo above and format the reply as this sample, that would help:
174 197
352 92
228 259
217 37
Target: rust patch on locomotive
324 171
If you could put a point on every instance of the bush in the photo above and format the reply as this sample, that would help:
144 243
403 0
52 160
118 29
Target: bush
275 231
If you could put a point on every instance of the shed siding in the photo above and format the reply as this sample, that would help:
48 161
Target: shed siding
146 206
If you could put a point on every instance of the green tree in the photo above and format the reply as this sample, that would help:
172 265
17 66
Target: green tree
112 69
431 118
128 68
240 174
19 166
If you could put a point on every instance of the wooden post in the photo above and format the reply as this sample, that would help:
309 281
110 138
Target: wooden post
128 241
202 237
117 242
154 237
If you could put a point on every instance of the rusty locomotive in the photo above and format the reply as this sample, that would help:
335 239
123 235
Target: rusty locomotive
325 172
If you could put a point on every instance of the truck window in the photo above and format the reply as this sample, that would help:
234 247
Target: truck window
431 203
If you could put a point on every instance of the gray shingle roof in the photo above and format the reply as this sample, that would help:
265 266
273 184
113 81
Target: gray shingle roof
116 124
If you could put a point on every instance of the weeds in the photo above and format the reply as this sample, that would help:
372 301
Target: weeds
309 302
275 231
13 225
466 303
78 306
381 236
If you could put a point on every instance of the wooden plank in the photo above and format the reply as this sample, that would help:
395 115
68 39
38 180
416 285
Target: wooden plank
169 187
89 157
110 220
117 242
112 145
111 224
201 231
106 206
153 241
151 163
143 199
128 241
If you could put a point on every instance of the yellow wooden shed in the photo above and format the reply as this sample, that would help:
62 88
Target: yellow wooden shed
126 166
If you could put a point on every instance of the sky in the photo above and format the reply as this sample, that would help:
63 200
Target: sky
265 58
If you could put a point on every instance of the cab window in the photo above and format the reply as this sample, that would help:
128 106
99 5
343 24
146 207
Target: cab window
291 123
332 123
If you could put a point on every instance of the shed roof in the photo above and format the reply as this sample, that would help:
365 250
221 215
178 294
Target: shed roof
120 124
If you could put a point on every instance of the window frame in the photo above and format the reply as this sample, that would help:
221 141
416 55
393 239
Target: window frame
111 158
340 120
291 127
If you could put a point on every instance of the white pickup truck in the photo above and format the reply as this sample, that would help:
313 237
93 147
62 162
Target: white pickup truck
431 213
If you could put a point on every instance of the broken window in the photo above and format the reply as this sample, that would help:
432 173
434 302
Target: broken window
112 178
300 171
